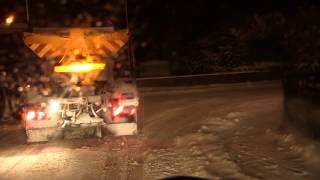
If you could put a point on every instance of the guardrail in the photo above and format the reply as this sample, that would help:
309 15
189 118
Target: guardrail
203 79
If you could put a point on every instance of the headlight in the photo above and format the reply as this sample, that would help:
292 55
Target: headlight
54 106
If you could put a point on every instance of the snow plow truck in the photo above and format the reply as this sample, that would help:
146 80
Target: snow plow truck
91 92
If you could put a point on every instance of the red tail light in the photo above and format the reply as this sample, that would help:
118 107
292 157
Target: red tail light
132 111
41 115
31 115
117 110
114 103
35 115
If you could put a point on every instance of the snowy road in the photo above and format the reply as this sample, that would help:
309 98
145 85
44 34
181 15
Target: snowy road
214 132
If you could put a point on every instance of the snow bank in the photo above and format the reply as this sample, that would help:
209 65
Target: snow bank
308 151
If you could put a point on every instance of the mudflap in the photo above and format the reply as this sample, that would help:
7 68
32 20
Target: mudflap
82 132
43 134
48 134
120 129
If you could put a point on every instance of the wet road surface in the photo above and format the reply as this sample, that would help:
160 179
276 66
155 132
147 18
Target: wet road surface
212 132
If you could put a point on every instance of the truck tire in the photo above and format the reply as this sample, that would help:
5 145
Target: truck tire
136 132
98 131
3 105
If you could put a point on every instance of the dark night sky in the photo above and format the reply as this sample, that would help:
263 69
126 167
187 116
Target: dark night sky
198 12
176 23
163 24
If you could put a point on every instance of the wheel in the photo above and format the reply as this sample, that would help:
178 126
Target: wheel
135 120
136 132
3 105
287 116
98 132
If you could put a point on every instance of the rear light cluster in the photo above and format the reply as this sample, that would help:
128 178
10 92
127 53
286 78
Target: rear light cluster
121 110
35 115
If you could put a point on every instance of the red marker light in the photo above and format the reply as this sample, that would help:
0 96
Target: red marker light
133 111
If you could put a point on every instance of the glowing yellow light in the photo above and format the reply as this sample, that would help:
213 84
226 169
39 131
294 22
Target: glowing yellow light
54 106
80 67
9 20
89 58
76 51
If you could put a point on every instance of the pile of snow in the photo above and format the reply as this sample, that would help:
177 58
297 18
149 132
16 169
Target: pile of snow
308 152
207 146
222 123
163 163
199 154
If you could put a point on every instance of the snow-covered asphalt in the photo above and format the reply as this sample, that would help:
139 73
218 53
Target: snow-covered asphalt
213 132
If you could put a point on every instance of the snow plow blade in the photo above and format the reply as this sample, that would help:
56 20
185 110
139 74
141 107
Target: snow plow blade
121 129
43 135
